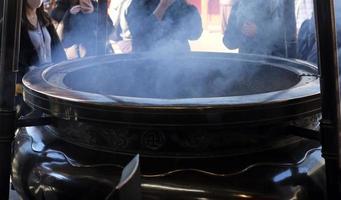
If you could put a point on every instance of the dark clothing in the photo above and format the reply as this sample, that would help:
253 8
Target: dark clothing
275 32
1 20
28 55
181 23
61 10
79 28
306 49
307 46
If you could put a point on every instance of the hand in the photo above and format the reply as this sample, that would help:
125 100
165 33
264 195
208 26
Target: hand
249 29
75 9
125 46
86 7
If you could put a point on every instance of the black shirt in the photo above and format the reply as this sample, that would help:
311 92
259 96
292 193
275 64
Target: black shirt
181 23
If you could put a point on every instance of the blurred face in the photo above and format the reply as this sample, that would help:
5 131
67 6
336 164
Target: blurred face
34 3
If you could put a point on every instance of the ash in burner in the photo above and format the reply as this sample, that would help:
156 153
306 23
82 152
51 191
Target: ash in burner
180 78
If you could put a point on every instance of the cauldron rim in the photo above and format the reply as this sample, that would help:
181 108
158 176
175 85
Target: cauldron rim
40 94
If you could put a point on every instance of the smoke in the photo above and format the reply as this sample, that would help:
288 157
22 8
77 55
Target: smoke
169 72
182 77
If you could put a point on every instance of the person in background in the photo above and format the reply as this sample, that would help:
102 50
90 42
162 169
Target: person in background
163 25
39 42
78 21
265 27
49 5
121 35
307 46
225 10
304 10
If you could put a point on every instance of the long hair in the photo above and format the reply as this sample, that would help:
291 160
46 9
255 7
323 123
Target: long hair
43 17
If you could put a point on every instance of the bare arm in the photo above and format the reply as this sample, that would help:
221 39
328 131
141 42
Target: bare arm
161 9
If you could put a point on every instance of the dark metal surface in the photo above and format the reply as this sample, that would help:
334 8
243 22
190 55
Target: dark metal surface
177 142
7 129
34 118
45 90
304 132
330 123
8 66
215 147
46 167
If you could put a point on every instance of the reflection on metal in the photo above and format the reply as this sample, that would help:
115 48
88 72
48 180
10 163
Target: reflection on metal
311 151
171 188
222 143
69 169
282 176
243 196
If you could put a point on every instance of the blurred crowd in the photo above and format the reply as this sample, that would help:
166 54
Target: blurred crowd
271 27
57 30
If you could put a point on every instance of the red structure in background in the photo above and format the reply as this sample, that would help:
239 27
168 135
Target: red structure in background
197 3
209 11
213 7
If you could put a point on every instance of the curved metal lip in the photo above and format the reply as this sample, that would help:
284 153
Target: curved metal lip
35 83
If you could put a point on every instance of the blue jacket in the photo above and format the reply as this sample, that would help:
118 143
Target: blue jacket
307 46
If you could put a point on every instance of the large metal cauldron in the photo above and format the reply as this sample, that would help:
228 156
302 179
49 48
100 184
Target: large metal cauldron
207 125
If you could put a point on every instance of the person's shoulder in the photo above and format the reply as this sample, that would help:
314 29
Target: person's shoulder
185 5
306 25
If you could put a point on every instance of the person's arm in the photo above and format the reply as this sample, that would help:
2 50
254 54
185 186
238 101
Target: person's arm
57 50
143 25
232 34
161 9
146 27
278 29
60 10
312 56
188 25
25 54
